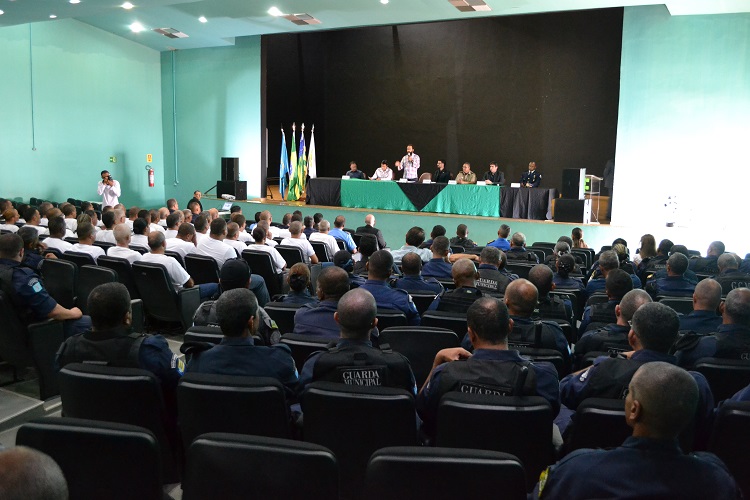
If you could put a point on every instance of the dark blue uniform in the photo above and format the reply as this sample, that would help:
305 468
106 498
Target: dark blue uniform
552 335
729 342
317 319
419 284
546 382
707 265
520 253
640 468
612 338
240 356
438 268
567 283
731 280
308 369
688 275
532 177
604 309
491 280
704 322
31 300
672 286
357 174
295 297
392 298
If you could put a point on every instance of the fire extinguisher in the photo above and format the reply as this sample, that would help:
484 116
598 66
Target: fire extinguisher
150 175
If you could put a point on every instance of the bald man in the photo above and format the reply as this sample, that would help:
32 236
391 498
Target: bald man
521 298
458 300
30 474
660 403
706 299
354 361
612 338
731 339
122 249
730 277
674 283
369 228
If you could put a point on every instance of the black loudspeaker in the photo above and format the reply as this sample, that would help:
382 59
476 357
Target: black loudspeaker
573 211
230 169
238 189
573 182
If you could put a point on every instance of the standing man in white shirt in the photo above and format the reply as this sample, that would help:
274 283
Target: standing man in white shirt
109 190
122 249
410 164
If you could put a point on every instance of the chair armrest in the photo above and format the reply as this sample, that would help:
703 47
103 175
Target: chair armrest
188 299
136 305
45 338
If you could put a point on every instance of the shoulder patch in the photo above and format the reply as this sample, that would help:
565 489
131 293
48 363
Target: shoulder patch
34 284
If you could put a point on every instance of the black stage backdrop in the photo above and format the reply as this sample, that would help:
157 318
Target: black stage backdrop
511 89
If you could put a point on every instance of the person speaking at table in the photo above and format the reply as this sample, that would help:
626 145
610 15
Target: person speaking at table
466 176
532 178
441 174
384 173
353 173
410 164
494 176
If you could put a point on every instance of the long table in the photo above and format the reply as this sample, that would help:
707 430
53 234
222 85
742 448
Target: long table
464 199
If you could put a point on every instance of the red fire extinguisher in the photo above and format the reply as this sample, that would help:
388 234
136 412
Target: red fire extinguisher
150 175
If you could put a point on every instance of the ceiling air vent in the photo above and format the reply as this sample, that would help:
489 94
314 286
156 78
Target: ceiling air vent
470 5
302 19
170 32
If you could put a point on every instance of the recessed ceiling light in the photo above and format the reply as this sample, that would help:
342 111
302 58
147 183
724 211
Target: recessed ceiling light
1 12
52 16
384 2
274 11
74 1
203 19
127 6
136 27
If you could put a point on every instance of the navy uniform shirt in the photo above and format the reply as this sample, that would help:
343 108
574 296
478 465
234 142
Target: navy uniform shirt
306 375
640 468
317 319
586 319
672 286
419 284
356 174
500 243
612 337
532 177
295 297
732 279
567 283
707 346
704 322
392 298
29 295
240 356
438 268
546 382
520 253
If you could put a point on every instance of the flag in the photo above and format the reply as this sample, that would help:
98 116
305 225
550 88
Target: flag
283 166
312 168
302 162
294 192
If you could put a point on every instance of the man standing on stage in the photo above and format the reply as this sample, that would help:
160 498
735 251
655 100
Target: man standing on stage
410 162
532 178
109 190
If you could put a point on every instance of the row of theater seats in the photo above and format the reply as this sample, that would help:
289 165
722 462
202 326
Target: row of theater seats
349 425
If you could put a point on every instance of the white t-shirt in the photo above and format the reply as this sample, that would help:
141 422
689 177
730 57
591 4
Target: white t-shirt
278 261
245 237
71 224
237 245
307 249
179 246
329 240
59 244
170 233
175 271
139 240
216 249
124 253
106 236
155 227
9 227
39 230
95 252
199 237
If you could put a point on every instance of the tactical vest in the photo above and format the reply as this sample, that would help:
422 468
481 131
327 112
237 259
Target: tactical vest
492 281
531 335
612 379
501 378
118 350
603 312
362 365
458 300
733 346
550 307
25 315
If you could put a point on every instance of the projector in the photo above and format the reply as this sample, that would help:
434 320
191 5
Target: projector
228 197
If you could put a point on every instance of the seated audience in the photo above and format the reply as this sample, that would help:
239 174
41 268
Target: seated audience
344 260
86 242
658 261
354 360
232 239
617 284
214 246
173 222
29 474
184 242
565 265
141 232
708 264
674 284
259 235
491 369
32 218
339 223
237 354
299 283
298 240
577 236
462 237
412 280
316 318
309 229
438 266
704 318
518 250
414 241
502 238
368 245
437 230
34 250
458 300
109 219
369 228
56 227
730 277
379 269
10 216
491 280
660 403
322 235
122 249
550 306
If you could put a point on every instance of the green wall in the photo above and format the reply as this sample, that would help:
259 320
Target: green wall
95 95
683 123
216 95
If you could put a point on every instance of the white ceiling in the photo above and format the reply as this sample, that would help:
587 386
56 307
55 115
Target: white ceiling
228 19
